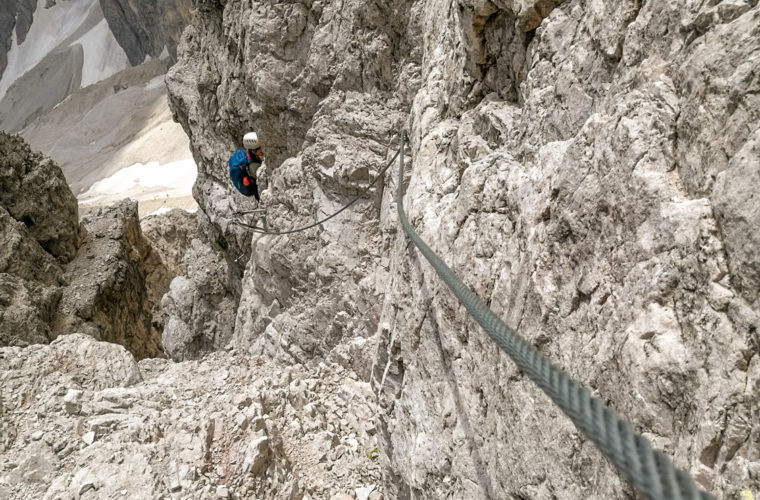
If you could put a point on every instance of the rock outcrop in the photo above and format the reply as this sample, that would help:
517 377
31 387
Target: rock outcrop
238 427
147 29
104 279
15 15
107 295
587 168
199 309
34 191
38 233
169 235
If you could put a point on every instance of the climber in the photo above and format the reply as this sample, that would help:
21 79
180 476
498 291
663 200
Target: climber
244 163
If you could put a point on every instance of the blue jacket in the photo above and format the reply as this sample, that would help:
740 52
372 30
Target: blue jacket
240 165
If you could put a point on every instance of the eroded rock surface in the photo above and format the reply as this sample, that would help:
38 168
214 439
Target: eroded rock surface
112 286
169 235
199 308
588 168
34 191
229 426
147 29
37 232
107 295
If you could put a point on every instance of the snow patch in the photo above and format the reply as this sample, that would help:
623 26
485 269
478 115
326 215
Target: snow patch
160 211
142 182
157 82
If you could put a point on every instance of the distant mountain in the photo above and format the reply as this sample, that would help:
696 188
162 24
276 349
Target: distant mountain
82 80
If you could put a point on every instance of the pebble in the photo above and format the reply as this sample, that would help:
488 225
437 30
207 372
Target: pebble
89 438
363 493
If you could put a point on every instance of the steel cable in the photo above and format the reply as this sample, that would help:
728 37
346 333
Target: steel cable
650 471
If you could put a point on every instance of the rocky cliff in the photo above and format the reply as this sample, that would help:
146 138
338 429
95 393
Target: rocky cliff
142 29
82 81
589 169
14 14
39 234
102 277
147 29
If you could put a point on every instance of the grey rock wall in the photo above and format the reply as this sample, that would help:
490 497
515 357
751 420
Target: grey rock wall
169 236
38 233
29 285
14 15
570 209
223 86
589 169
147 28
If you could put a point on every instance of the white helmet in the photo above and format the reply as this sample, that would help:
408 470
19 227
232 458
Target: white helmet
251 141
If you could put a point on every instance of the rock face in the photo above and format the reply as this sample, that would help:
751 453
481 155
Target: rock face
199 309
239 426
107 296
34 191
169 236
38 232
110 287
15 15
325 280
147 28
589 169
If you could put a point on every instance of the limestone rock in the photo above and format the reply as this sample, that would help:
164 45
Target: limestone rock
107 296
22 256
30 277
111 289
156 428
27 309
169 236
34 192
147 28
587 168
199 310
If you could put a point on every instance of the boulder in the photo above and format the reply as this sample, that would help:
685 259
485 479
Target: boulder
27 309
199 309
169 235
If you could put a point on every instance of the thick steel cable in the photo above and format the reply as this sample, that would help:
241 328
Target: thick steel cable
364 191
649 470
